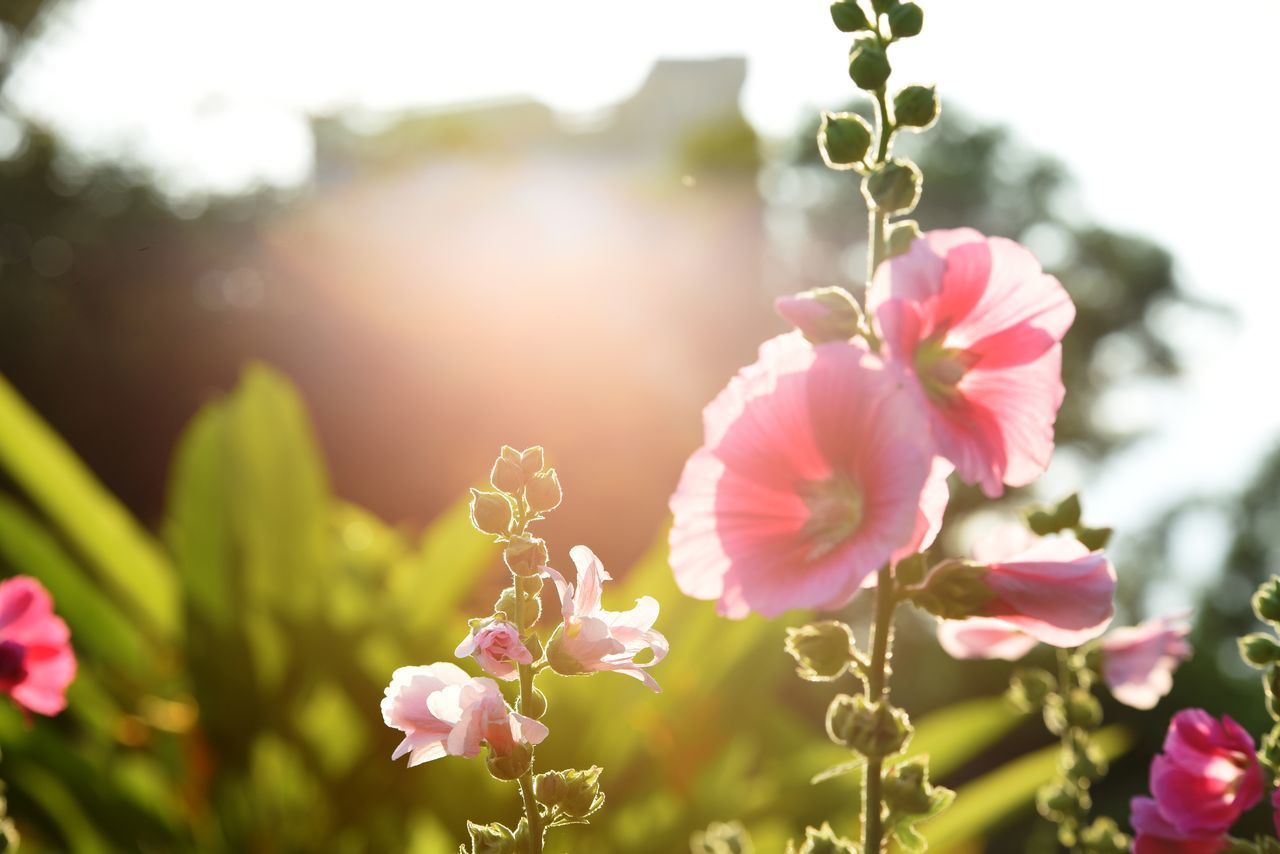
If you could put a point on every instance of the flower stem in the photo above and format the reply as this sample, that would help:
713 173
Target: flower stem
877 691
526 691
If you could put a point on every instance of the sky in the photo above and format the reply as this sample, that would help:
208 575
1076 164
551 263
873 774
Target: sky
1158 108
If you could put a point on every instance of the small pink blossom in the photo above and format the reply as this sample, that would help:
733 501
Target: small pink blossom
36 660
812 475
444 712
1207 777
496 646
1156 835
977 325
592 639
1138 661
980 637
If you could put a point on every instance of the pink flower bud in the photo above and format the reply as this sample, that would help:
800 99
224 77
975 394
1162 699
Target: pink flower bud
36 660
497 648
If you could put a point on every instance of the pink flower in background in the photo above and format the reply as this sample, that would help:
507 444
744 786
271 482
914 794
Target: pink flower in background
1275 809
977 325
36 660
592 639
980 637
1206 778
496 646
444 712
1054 590
1156 835
812 476
1138 662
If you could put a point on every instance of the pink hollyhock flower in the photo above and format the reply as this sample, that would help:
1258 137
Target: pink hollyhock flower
1155 835
36 660
977 325
1055 590
1207 776
1275 809
812 476
592 639
1138 662
980 637
444 712
496 646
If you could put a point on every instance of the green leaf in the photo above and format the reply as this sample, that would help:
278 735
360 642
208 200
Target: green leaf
981 804
92 520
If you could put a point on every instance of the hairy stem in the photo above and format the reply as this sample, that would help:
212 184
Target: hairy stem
877 691
526 691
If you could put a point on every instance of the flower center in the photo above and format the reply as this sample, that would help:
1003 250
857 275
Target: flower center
13 664
940 368
835 512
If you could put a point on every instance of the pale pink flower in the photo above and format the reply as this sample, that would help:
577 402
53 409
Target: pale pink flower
36 660
980 637
496 646
592 639
977 325
1055 590
1138 661
812 476
1207 777
444 712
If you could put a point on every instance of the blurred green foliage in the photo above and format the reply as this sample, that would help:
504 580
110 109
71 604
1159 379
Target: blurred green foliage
231 671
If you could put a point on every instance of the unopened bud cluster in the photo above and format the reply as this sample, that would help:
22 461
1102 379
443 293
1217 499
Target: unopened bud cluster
1262 651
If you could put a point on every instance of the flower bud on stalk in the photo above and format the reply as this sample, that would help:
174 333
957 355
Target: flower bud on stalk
534 705
491 838
511 763
1266 602
525 555
582 794
875 731
901 236
915 107
543 491
849 17
843 140
821 314
823 651
894 188
531 604
906 787
490 513
1083 709
550 788
1259 650
507 476
906 20
1030 689
1104 837
531 460
868 65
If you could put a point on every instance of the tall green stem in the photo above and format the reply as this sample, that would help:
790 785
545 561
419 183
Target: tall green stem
526 691
878 691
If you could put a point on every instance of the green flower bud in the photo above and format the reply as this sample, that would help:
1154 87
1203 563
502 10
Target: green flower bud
531 460
1030 688
507 476
534 705
849 17
868 64
954 590
906 787
821 314
1081 761
559 660
1093 538
874 730
1259 650
823 651
906 20
722 837
491 838
531 606
525 555
1061 800
510 765
1269 753
550 788
1083 709
883 6
915 107
823 840
1055 714
894 187
490 513
582 794
543 491
1104 837
1266 602
843 140
900 237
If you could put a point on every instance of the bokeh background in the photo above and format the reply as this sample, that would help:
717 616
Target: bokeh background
277 279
